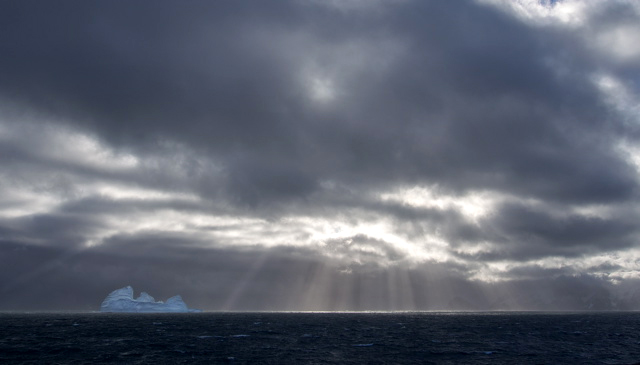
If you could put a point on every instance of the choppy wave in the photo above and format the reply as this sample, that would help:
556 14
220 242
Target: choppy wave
322 338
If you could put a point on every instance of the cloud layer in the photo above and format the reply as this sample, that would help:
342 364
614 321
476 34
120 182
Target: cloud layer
380 143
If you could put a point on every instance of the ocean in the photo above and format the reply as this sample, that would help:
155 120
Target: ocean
321 338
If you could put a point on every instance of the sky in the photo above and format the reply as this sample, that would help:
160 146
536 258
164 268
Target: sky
321 154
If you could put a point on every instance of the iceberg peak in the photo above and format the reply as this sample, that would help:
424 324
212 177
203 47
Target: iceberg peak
145 297
121 300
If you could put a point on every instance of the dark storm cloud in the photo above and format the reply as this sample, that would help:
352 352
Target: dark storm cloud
58 228
278 110
467 105
562 231
251 181
154 69
523 232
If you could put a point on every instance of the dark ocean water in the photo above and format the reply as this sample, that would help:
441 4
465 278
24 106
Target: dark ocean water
321 338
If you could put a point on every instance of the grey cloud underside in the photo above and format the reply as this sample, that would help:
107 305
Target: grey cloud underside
219 103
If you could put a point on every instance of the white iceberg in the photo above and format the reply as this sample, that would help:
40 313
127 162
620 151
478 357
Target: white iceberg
121 300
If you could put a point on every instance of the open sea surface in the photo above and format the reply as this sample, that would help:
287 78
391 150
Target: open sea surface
321 338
